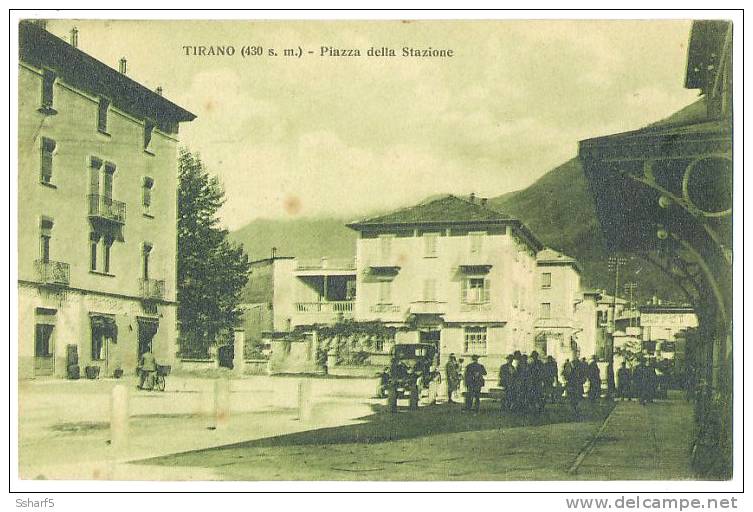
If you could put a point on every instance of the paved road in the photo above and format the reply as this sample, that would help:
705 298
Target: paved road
637 442
64 433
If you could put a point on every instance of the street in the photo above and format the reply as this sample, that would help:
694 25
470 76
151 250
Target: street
64 432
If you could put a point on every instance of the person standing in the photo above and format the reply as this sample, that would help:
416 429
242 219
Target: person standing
147 370
643 381
506 375
474 382
536 383
594 380
550 378
452 373
623 382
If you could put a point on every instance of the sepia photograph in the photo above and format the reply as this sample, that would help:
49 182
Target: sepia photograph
373 250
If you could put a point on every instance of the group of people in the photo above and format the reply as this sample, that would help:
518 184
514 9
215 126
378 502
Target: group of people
576 374
527 382
646 381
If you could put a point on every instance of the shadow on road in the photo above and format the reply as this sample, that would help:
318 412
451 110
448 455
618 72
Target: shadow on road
382 426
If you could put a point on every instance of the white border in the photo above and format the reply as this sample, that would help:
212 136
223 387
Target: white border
205 501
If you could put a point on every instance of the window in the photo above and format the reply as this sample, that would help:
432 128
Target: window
546 310
430 290
103 331
430 244
146 194
385 292
145 252
475 340
108 176
48 89
148 130
99 252
475 290
104 107
385 247
94 168
546 280
93 248
47 152
106 246
477 242
45 234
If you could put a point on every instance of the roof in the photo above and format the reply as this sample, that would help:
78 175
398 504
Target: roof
45 50
705 52
549 256
447 209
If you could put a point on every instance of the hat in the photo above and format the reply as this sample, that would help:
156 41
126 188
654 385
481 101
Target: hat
474 357
510 357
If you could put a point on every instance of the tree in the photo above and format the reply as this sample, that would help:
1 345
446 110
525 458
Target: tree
212 271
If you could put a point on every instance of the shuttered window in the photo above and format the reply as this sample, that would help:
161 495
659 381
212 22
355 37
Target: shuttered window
475 290
47 152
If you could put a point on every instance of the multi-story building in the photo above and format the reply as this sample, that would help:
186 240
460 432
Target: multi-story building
451 272
285 294
660 325
97 187
568 324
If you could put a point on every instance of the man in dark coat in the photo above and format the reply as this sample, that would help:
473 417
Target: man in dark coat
594 380
623 382
550 378
474 381
452 373
643 378
506 376
536 383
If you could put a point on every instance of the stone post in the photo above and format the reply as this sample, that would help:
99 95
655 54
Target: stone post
239 343
221 402
305 405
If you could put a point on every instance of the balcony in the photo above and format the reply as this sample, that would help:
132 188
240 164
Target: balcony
53 272
103 207
385 308
326 264
341 306
428 307
152 289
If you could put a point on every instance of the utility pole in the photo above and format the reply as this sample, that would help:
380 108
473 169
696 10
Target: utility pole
615 262
630 291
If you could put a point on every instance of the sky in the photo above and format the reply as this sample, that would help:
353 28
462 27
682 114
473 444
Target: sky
347 136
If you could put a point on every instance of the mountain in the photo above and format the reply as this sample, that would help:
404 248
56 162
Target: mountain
304 238
558 208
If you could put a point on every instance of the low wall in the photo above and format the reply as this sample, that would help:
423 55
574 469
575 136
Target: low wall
256 367
191 365
367 371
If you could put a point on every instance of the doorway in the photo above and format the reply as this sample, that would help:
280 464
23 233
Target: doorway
44 361
432 337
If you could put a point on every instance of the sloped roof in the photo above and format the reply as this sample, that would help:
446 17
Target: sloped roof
43 49
550 256
446 209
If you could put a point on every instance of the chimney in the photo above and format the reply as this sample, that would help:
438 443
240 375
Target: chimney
74 37
483 201
123 65
472 197
158 90
274 252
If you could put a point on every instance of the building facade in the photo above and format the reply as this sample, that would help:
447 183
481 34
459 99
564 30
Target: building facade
97 194
451 272
285 294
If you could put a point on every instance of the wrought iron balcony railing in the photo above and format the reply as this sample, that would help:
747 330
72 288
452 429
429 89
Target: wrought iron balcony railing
107 208
153 289
340 306
53 272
